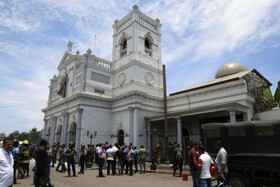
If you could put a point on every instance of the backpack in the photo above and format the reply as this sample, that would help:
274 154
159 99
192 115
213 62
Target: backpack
179 155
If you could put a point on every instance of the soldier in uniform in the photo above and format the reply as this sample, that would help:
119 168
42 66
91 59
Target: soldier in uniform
24 159
178 160
71 152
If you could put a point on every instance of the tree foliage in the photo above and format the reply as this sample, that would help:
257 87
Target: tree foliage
264 100
277 94
33 136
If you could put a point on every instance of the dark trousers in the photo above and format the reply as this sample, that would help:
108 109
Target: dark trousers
82 164
120 166
109 166
130 164
125 165
54 160
40 174
194 177
136 165
114 166
71 162
15 172
100 166
176 166
62 164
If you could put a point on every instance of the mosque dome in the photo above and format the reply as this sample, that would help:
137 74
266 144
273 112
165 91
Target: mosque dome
230 68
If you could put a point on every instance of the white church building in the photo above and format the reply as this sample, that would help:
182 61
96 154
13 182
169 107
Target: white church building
93 100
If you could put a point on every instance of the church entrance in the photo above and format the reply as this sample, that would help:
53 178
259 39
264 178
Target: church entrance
121 137
72 132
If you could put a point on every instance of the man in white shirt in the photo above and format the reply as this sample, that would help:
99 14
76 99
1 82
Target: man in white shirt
6 163
101 159
204 163
114 164
221 163
110 159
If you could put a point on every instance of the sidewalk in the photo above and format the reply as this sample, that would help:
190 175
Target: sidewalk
160 168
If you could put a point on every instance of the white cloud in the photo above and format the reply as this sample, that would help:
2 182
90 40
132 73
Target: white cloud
11 18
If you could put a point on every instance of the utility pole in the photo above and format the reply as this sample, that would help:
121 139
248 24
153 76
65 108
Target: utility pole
165 112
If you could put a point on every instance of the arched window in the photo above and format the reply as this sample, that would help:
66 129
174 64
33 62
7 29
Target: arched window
148 46
124 44
123 47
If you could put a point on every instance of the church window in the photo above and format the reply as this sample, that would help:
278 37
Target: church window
148 47
123 48
78 79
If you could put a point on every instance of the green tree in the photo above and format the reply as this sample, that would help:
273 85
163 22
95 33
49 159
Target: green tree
277 94
264 99
268 100
23 136
34 136
14 135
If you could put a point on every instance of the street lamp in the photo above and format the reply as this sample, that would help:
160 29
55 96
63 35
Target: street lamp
90 135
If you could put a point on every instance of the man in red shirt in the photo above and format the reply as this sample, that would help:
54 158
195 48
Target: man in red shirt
192 158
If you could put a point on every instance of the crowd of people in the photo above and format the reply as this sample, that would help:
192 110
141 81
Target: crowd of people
115 159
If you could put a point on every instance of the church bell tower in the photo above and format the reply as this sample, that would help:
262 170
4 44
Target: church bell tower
137 51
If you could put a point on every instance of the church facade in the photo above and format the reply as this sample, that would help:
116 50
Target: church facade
93 100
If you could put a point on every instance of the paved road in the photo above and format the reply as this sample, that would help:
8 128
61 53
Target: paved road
90 179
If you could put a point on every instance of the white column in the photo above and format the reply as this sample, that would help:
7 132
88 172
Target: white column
232 116
136 127
131 126
53 127
248 116
66 138
179 131
148 137
64 133
79 128
44 133
50 91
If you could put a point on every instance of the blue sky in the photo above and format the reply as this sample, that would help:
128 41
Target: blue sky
198 36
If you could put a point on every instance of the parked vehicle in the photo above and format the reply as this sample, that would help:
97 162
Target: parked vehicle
253 149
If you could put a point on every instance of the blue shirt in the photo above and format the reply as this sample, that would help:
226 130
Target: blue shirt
136 154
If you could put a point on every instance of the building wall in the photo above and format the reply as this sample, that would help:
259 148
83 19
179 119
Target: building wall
273 114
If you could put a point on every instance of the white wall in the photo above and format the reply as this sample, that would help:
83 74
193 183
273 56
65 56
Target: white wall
268 115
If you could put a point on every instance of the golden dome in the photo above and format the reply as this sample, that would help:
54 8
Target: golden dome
230 68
